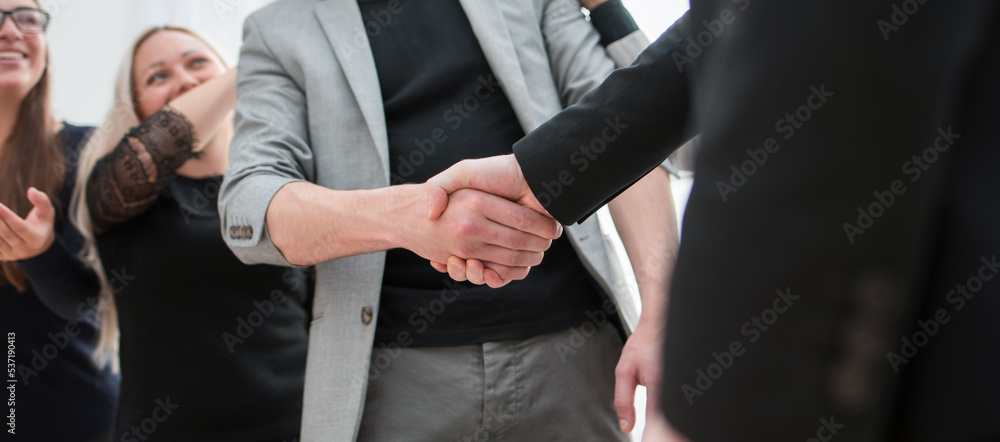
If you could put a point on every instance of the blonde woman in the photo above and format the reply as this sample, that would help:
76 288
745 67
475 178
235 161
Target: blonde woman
210 348
47 292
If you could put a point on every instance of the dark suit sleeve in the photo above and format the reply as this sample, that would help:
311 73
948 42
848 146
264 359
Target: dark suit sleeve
589 153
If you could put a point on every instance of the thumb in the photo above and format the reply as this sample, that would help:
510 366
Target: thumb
625 383
437 201
458 176
443 184
43 210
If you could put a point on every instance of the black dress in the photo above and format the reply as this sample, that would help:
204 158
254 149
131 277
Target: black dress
50 334
211 348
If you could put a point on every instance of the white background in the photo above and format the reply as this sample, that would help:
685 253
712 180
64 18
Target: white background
88 39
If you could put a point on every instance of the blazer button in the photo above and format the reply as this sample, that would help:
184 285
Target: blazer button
366 315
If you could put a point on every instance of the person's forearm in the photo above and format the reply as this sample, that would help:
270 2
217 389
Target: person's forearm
646 221
310 224
641 114
208 106
66 285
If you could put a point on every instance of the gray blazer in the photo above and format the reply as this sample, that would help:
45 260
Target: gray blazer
310 109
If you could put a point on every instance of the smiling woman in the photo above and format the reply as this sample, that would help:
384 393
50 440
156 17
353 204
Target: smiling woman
215 347
47 293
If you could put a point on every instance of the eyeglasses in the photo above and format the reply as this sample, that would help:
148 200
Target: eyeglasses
27 20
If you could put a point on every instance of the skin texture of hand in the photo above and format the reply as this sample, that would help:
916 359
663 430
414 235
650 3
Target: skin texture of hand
501 176
27 238
310 224
478 224
639 364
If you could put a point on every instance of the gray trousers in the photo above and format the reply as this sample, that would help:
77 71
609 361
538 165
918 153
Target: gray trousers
553 387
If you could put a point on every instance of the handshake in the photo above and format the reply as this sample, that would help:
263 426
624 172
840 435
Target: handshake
498 230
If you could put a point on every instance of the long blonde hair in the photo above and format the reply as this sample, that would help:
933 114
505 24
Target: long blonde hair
120 118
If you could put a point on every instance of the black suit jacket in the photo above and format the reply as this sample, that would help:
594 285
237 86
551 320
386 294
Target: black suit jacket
837 271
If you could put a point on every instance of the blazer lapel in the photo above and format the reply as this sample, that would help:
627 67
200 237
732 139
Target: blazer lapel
341 21
491 31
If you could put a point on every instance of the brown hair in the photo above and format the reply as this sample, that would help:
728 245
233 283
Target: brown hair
31 157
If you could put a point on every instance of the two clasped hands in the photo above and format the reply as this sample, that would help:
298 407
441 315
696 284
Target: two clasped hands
516 229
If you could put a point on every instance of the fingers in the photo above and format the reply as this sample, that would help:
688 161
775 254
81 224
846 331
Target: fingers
499 175
6 251
43 210
479 273
458 176
437 201
513 226
500 275
520 218
13 222
442 268
513 239
29 237
8 235
457 268
507 257
493 279
474 271
625 383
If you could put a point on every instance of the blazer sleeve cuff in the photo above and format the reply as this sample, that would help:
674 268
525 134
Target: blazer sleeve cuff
625 50
612 21
244 225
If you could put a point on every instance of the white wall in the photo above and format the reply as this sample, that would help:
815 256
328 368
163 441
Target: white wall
89 38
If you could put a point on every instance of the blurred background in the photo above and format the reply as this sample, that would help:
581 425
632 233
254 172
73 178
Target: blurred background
88 39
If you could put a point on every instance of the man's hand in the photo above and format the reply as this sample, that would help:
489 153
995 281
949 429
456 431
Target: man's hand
26 238
639 364
501 176
479 225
